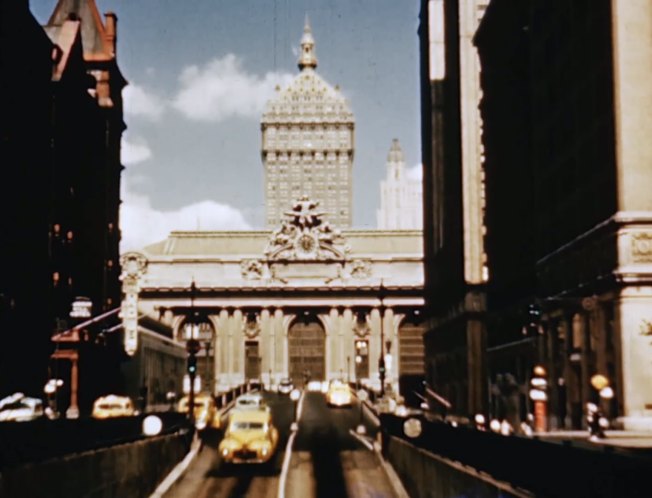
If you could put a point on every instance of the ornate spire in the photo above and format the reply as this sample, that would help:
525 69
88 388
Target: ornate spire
395 154
307 57
395 161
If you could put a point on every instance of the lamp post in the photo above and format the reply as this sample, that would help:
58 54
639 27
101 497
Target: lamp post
192 347
81 309
539 398
348 369
381 360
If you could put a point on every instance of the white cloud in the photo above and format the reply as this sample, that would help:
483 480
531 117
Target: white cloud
143 103
134 152
222 89
141 224
415 172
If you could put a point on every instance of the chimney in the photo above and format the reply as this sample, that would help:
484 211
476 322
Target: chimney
110 29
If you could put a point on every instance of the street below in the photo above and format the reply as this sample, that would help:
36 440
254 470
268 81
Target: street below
326 459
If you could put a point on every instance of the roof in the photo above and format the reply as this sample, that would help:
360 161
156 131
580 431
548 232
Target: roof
93 32
238 245
64 36
308 98
250 415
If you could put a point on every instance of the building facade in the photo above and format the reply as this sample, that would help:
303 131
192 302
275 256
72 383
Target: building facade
93 239
454 255
401 198
581 173
305 301
308 143
61 128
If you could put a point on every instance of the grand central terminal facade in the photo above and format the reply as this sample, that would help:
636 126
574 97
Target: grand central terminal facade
305 301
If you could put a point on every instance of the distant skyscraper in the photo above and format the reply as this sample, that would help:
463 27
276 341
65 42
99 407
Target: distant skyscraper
400 195
307 145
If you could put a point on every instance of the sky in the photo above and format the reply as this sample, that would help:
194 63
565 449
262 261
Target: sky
200 72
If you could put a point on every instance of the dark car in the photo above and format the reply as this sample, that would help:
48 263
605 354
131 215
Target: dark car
285 386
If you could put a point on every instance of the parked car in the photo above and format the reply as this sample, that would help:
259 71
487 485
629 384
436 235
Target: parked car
285 386
112 405
339 394
250 437
20 408
255 384
206 414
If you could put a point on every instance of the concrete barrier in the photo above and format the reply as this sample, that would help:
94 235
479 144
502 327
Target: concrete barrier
426 475
130 470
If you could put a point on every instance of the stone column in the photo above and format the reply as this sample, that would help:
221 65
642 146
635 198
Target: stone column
330 322
284 366
374 345
347 321
237 350
585 325
397 319
634 328
215 322
221 323
266 341
552 367
273 334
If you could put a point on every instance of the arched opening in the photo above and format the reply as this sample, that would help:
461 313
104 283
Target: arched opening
307 351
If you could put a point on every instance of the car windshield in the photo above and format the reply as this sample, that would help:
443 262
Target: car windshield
17 405
111 406
249 402
286 382
247 426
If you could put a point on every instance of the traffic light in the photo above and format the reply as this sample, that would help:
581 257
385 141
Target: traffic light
533 321
192 364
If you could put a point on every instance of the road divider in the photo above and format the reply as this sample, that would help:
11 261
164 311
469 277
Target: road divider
363 439
282 481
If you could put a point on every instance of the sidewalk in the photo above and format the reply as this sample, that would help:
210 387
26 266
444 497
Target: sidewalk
620 439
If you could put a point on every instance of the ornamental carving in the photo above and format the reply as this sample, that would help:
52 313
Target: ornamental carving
133 265
642 247
360 268
251 269
305 235
251 326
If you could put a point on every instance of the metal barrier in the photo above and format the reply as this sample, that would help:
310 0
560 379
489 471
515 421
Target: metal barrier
544 468
42 439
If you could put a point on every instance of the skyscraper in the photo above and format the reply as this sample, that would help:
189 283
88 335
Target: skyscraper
400 195
308 143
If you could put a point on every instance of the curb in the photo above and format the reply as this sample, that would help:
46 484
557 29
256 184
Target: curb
182 466
392 476
178 470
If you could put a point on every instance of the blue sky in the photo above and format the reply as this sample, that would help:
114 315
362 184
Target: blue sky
199 73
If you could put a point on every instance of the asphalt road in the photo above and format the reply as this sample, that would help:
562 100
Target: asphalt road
325 461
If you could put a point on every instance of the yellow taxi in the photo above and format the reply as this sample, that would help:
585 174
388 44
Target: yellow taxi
206 415
250 437
113 406
339 394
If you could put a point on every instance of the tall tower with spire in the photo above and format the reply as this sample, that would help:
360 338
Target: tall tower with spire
308 143
401 204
